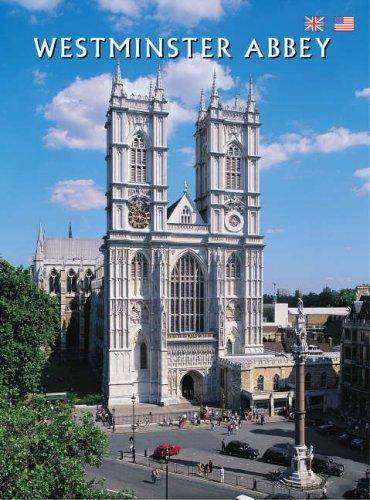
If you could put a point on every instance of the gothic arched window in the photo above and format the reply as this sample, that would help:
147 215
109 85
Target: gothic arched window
233 273
87 281
307 381
260 382
232 168
229 347
143 356
186 216
54 281
71 281
138 160
323 380
275 382
187 296
139 272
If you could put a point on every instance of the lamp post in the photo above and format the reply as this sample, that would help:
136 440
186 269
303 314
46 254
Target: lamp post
167 458
133 399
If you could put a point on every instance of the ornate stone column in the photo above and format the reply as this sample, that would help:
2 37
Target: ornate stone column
300 473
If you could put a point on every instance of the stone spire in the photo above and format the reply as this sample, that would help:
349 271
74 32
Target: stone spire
214 93
117 79
186 187
40 244
150 89
159 89
70 231
237 102
202 105
251 101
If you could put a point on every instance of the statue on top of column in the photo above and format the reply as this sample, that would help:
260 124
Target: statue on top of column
300 342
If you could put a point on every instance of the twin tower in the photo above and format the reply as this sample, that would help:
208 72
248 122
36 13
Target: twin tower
182 283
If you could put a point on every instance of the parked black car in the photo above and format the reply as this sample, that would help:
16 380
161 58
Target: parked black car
330 429
241 449
362 489
277 456
326 465
344 438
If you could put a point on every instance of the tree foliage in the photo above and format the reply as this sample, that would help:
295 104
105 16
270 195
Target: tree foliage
29 326
43 451
326 298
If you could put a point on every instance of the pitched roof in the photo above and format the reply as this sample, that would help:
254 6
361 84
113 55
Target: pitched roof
71 248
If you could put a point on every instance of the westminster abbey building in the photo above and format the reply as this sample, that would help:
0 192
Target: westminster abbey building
170 290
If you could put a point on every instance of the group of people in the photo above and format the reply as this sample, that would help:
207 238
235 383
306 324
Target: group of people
205 469
255 416
103 416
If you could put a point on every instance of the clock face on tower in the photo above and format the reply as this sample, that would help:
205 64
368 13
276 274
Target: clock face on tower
138 217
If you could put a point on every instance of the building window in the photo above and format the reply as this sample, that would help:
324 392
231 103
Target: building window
307 381
138 160
348 334
232 168
71 281
229 347
186 216
139 273
87 281
143 356
260 382
275 382
187 296
54 281
232 274
323 380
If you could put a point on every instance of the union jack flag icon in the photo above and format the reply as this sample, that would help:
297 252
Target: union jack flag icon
313 23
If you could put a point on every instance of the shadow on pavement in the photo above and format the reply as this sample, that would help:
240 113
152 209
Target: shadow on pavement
273 432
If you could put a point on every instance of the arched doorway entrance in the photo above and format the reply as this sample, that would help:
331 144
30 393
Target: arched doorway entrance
192 387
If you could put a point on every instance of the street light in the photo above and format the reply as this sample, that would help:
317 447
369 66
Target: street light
133 399
167 458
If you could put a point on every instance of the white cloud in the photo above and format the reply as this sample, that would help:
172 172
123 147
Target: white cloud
363 93
291 145
36 4
80 194
38 77
186 13
188 152
78 111
363 173
275 230
184 78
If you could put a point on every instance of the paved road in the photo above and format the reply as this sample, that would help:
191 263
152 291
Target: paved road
201 444
119 475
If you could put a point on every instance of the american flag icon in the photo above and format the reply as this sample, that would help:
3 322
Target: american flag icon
313 23
344 23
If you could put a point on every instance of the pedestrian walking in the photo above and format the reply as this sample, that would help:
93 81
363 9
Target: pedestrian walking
222 474
212 426
210 466
206 469
223 445
154 476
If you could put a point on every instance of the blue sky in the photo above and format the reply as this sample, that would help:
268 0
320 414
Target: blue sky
316 168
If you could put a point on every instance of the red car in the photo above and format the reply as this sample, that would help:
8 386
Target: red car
166 449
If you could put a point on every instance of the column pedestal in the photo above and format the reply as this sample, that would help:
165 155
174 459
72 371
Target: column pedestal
300 474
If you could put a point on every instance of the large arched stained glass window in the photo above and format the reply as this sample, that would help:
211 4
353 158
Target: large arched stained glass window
139 273
54 281
138 160
187 296
232 168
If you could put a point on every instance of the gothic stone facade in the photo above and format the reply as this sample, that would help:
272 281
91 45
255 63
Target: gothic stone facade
180 287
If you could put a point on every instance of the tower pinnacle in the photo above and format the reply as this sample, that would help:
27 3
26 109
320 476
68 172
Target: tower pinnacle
214 93
202 105
70 231
159 89
251 95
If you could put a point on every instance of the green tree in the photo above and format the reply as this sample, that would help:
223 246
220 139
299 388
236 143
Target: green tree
43 451
345 297
29 326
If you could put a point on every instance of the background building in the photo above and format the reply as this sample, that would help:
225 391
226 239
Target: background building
355 356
